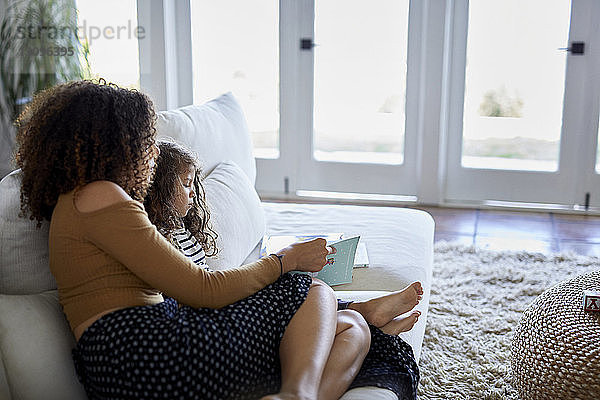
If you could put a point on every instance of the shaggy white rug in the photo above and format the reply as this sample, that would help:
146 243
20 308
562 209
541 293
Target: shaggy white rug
477 298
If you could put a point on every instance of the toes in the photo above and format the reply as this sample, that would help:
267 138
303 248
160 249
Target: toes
415 315
398 325
418 287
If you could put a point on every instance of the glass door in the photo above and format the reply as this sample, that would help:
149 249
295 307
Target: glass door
358 129
516 124
236 48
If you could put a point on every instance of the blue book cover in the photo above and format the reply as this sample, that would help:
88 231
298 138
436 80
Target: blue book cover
338 269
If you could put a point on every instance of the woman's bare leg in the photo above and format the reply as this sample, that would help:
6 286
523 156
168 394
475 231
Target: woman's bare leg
350 347
306 344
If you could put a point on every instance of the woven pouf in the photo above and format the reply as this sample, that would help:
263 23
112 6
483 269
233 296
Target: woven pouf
555 352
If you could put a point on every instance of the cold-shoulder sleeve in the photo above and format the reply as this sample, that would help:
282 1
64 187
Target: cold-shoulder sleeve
124 232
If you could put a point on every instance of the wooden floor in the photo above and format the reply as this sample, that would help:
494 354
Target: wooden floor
516 230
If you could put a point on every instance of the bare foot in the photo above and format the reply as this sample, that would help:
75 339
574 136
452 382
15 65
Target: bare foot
381 310
398 325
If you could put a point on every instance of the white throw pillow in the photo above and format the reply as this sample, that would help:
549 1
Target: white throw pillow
24 267
36 343
236 215
215 131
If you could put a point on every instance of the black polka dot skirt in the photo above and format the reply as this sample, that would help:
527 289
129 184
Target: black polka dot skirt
389 364
167 351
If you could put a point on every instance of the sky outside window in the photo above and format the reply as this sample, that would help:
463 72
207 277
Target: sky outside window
515 79
112 38
360 80
235 48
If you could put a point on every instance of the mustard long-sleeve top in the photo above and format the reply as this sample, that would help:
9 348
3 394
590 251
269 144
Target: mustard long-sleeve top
114 257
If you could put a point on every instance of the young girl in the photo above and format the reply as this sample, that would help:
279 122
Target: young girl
176 204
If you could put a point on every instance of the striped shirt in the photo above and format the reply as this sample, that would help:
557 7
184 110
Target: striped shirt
190 247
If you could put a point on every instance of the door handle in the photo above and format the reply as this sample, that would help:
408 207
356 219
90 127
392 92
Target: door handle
577 48
307 44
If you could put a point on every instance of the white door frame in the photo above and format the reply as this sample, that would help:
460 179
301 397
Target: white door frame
588 145
165 52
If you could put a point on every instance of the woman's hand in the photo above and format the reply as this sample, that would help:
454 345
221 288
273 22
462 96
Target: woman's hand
308 256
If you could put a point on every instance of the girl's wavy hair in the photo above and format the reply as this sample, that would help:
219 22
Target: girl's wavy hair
79 132
173 161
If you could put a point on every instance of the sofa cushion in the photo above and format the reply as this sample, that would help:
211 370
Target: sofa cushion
216 131
23 247
36 343
236 214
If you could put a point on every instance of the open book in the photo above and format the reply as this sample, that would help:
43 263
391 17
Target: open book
361 260
338 269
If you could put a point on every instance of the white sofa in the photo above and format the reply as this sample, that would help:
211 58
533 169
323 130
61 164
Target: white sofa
35 341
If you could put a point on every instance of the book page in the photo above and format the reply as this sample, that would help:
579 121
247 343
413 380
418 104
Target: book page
273 243
362 257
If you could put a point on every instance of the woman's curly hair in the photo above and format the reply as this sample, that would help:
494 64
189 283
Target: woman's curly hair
79 132
173 161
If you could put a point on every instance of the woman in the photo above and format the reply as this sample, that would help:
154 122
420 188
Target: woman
87 153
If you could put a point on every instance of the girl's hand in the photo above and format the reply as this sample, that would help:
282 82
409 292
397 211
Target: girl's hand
308 256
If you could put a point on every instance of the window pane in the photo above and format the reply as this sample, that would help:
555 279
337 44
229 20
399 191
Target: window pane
360 80
514 85
111 31
235 48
